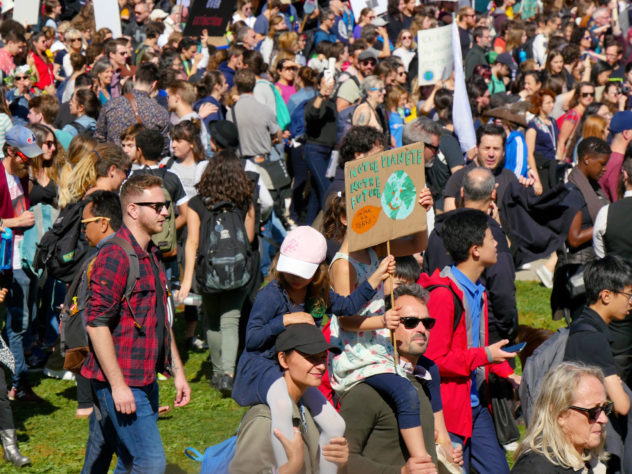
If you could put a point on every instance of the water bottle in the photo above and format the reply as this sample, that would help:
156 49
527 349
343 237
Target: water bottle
407 112
192 300
6 249
523 56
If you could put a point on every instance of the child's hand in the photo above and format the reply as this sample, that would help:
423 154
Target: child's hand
298 318
3 294
391 318
387 266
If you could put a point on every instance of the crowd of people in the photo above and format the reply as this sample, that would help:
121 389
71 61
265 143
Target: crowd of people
160 175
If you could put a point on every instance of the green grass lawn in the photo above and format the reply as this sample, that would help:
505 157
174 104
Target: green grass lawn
55 441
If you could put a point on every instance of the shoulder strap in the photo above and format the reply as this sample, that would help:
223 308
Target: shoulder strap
168 164
77 126
133 275
232 110
458 304
132 102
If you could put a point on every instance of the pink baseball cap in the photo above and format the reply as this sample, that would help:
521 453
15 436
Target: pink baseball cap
302 251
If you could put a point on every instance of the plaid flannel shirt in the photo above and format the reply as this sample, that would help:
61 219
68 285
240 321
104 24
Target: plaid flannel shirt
136 348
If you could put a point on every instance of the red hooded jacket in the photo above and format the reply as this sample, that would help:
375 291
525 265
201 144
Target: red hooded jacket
452 354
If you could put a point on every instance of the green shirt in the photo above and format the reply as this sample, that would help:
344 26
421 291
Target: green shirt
496 85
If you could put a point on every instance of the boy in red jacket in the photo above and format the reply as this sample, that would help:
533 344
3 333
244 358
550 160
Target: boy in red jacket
462 353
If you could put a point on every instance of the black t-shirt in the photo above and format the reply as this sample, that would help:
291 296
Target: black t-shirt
591 347
43 194
439 173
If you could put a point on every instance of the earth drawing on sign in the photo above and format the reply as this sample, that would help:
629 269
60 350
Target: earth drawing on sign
398 197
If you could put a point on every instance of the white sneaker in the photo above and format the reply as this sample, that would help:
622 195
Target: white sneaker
59 374
545 276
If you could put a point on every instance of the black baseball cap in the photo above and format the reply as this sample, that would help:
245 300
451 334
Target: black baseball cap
305 338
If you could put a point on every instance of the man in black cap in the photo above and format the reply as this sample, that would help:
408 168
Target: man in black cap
302 354
502 71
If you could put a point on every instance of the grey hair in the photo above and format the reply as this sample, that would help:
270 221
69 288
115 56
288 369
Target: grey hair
421 130
324 14
412 289
242 32
478 184
557 394
370 83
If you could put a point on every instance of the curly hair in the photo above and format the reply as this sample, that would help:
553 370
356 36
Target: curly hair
224 179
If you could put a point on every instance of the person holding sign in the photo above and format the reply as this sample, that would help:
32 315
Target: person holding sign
298 294
366 356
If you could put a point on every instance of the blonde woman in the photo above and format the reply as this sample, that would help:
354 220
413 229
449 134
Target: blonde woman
567 430
405 47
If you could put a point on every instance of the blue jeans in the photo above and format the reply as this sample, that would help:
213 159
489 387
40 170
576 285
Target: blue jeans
135 438
20 304
317 159
482 450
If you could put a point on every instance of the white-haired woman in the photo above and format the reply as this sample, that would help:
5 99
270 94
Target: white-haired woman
567 431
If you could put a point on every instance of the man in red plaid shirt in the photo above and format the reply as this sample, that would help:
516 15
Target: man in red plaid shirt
131 340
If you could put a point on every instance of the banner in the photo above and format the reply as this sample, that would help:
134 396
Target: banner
434 50
107 15
378 6
461 111
210 15
26 12
382 193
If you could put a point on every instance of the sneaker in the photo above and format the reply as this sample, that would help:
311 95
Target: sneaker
545 276
26 394
225 385
510 446
196 344
161 377
59 374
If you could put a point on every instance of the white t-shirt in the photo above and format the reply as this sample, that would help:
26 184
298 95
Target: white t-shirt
19 205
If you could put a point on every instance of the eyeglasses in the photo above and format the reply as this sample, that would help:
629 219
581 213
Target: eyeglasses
588 94
380 89
431 147
629 295
411 322
594 412
156 206
21 78
85 222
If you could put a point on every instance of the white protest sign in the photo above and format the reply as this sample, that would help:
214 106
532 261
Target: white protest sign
378 6
107 15
434 50
26 12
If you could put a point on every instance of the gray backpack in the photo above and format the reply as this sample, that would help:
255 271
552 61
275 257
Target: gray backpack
549 354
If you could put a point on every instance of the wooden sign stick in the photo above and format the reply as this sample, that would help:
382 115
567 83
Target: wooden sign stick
396 353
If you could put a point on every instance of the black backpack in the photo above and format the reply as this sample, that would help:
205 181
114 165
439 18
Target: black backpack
74 338
82 130
224 257
62 249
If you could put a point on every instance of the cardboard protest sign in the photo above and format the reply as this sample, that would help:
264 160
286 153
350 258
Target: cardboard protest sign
26 12
382 193
378 6
210 15
434 50
107 15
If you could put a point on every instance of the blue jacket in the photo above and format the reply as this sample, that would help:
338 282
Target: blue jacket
258 368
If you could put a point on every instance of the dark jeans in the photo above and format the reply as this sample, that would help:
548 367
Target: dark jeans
302 204
317 159
135 438
482 450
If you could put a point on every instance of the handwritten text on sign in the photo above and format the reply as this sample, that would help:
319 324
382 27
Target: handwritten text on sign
381 196
434 50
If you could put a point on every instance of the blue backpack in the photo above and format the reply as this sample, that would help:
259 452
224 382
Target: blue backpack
216 458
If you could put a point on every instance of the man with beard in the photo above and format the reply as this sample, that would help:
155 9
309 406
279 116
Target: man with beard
372 432
20 147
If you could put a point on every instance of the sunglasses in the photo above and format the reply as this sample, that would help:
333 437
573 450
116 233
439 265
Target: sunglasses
431 147
23 157
588 94
156 206
49 143
290 68
75 39
85 222
594 412
366 62
379 89
407 37
411 322
21 78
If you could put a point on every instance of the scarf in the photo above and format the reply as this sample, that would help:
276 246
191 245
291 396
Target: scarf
595 200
